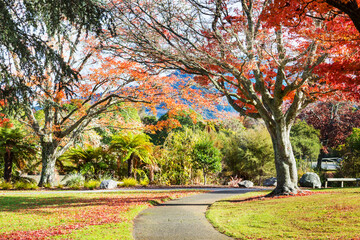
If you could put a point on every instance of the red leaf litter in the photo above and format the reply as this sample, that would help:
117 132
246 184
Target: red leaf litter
265 197
83 212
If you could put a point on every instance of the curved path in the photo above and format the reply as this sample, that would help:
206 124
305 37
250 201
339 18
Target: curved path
182 218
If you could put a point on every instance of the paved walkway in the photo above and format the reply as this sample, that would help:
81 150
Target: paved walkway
182 218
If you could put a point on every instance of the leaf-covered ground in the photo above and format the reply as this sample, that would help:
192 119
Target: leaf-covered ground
330 214
75 216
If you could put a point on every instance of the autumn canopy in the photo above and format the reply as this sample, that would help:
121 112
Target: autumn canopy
268 59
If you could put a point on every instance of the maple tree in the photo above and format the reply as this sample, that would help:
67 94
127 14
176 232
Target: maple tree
294 11
264 71
341 29
58 118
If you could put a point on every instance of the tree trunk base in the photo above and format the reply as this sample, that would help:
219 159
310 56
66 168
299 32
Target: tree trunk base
284 191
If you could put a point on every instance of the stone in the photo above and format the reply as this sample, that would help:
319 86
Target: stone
310 179
270 182
108 184
246 184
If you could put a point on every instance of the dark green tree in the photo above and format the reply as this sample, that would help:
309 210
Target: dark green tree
206 157
305 140
350 166
27 27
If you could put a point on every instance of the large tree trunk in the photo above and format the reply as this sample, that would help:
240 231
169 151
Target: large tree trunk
286 171
49 156
8 159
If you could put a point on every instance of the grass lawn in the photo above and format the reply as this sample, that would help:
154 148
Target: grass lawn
75 215
331 214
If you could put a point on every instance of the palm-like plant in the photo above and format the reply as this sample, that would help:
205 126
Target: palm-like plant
15 149
89 161
132 148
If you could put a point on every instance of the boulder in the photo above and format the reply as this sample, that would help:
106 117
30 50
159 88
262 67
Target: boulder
246 184
108 184
270 182
310 179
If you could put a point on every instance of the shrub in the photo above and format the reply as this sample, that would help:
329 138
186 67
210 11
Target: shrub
206 157
47 185
74 180
144 182
6 186
106 176
92 184
350 151
250 155
60 186
129 182
25 186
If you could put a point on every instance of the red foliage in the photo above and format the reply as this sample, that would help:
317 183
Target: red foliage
83 212
339 32
265 197
335 120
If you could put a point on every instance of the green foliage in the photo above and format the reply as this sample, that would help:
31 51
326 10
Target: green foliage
24 25
6 185
305 141
129 144
90 161
136 149
74 180
25 186
185 120
129 182
47 185
176 157
206 157
92 184
144 182
250 155
350 166
16 148
120 111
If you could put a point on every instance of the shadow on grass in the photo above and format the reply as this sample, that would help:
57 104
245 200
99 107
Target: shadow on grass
30 203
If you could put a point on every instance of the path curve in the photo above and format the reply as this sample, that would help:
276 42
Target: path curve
182 218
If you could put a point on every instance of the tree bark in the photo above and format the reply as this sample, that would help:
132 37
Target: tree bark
319 160
49 156
204 172
8 159
286 171
131 167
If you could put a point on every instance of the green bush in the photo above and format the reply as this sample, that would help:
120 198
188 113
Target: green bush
144 182
250 155
350 166
74 180
25 186
47 185
206 157
92 184
6 186
129 182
